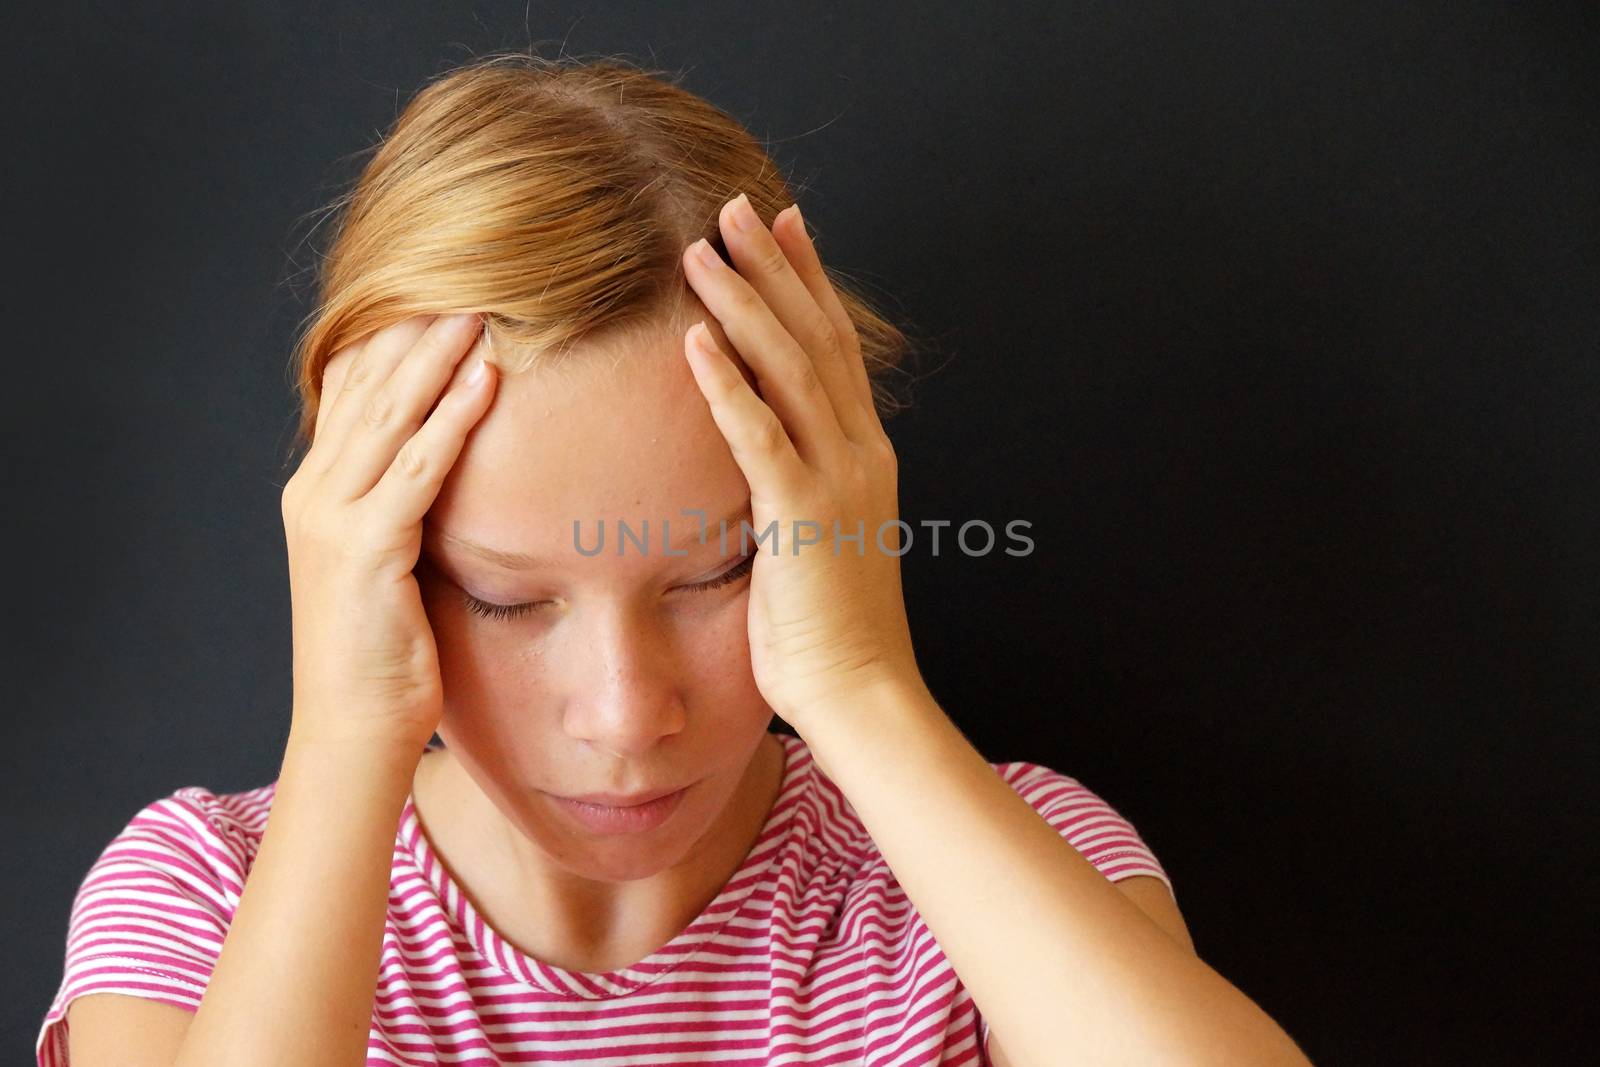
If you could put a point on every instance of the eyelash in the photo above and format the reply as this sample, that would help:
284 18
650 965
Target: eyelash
484 609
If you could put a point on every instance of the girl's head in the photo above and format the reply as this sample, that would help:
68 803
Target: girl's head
556 198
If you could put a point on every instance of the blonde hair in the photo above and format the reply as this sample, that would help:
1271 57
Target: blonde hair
554 196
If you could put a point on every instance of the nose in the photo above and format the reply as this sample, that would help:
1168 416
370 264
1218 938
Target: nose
624 691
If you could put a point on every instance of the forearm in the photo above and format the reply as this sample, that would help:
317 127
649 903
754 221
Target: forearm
1061 964
298 969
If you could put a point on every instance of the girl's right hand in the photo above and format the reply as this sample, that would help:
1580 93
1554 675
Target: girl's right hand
366 668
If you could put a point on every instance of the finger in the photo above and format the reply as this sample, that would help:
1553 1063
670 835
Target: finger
332 378
790 384
365 371
860 419
410 485
770 270
396 409
762 448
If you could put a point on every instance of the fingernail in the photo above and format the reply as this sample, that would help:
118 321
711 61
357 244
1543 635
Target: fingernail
476 375
706 254
703 341
744 216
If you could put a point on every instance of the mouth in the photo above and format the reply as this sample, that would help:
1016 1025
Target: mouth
624 800
621 819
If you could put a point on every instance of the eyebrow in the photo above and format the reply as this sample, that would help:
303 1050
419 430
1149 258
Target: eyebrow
524 561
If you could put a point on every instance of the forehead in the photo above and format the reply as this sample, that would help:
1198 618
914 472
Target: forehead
622 435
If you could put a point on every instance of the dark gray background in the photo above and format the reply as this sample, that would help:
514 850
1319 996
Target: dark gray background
1277 320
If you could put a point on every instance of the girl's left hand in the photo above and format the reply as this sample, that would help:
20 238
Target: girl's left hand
827 620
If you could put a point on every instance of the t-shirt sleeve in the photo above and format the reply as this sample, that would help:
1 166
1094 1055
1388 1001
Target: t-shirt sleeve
150 916
1091 825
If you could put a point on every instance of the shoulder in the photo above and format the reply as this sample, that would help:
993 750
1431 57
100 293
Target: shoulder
151 913
219 832
185 854
1088 821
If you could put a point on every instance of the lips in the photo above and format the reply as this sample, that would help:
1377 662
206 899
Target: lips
605 818
624 800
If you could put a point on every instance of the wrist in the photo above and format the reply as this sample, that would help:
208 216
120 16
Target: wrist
882 721
878 693
349 764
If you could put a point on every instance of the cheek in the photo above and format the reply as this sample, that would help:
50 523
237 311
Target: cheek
485 680
724 680
720 640
456 637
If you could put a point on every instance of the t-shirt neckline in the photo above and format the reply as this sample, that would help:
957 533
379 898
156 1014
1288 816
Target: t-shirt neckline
505 957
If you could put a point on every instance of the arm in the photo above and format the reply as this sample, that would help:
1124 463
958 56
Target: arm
1058 960
1156 901
299 968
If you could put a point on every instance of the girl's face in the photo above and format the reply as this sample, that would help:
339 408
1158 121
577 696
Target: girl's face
620 676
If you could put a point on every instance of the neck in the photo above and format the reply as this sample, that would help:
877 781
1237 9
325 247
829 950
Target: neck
566 919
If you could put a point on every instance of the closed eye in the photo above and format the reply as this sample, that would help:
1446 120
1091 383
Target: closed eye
486 610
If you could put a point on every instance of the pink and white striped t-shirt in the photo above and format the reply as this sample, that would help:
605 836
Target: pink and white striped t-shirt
811 953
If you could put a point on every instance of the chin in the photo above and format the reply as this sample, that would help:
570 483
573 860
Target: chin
617 857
